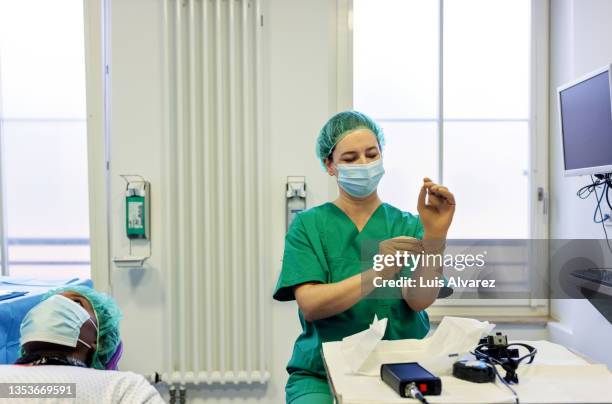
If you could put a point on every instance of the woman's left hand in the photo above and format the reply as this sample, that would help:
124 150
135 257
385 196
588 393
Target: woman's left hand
436 208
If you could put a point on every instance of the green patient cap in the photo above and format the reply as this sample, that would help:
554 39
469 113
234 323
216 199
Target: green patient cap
108 315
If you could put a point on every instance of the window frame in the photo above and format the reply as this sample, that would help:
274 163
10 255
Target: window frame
95 81
97 35
534 309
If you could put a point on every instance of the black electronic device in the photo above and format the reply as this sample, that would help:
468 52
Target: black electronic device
474 370
410 380
496 350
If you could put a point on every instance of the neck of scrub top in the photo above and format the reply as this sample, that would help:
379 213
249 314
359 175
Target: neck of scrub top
357 206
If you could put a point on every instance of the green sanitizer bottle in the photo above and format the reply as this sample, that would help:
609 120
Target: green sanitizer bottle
135 214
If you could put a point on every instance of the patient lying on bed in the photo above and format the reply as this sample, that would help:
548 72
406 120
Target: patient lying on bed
72 336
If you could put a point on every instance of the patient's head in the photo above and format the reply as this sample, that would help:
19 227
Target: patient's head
76 323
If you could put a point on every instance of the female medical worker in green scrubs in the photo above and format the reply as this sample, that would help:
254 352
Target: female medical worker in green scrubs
322 263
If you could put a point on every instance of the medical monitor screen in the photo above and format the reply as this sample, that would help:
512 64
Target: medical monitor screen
586 121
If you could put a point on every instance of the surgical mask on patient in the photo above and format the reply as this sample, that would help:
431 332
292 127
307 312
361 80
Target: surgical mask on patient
360 180
57 320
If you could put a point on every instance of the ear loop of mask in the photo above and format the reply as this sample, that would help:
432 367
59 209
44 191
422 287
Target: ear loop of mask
85 343
97 337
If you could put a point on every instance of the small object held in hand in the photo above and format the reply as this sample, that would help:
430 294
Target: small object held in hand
410 380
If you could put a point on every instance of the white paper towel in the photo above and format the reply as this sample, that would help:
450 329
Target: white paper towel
357 347
365 351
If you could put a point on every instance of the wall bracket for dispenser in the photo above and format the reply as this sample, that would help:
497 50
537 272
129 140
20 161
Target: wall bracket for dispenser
137 219
295 196
131 261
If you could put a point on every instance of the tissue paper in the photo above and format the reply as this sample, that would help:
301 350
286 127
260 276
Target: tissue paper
454 337
358 347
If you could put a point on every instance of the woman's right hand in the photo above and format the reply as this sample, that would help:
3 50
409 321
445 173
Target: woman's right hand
399 245
391 247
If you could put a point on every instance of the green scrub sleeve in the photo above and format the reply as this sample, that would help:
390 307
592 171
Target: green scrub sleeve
420 231
301 261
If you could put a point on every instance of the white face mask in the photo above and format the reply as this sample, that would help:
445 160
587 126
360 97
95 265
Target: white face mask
57 320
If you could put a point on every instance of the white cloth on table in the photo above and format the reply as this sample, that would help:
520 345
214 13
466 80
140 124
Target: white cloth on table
92 385
556 375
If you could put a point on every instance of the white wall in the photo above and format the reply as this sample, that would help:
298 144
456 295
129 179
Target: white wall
581 41
135 140
298 36
300 85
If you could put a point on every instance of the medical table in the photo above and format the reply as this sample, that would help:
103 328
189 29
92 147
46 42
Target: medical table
556 375
13 310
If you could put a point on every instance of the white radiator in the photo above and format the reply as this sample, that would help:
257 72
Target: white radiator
213 203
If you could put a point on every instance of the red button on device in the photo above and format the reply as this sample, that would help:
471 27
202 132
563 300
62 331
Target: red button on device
423 387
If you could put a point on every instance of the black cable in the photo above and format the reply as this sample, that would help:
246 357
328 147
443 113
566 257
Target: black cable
509 365
603 219
531 354
599 199
505 383
492 361
587 190
604 180
416 393
608 195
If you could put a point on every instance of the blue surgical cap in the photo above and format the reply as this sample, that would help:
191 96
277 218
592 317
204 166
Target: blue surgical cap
340 125
108 315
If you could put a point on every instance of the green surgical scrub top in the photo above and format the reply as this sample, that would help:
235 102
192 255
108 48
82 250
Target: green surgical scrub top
324 245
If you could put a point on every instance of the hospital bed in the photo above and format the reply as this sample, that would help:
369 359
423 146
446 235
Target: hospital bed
85 385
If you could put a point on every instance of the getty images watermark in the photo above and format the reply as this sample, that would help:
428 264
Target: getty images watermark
429 262
526 269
